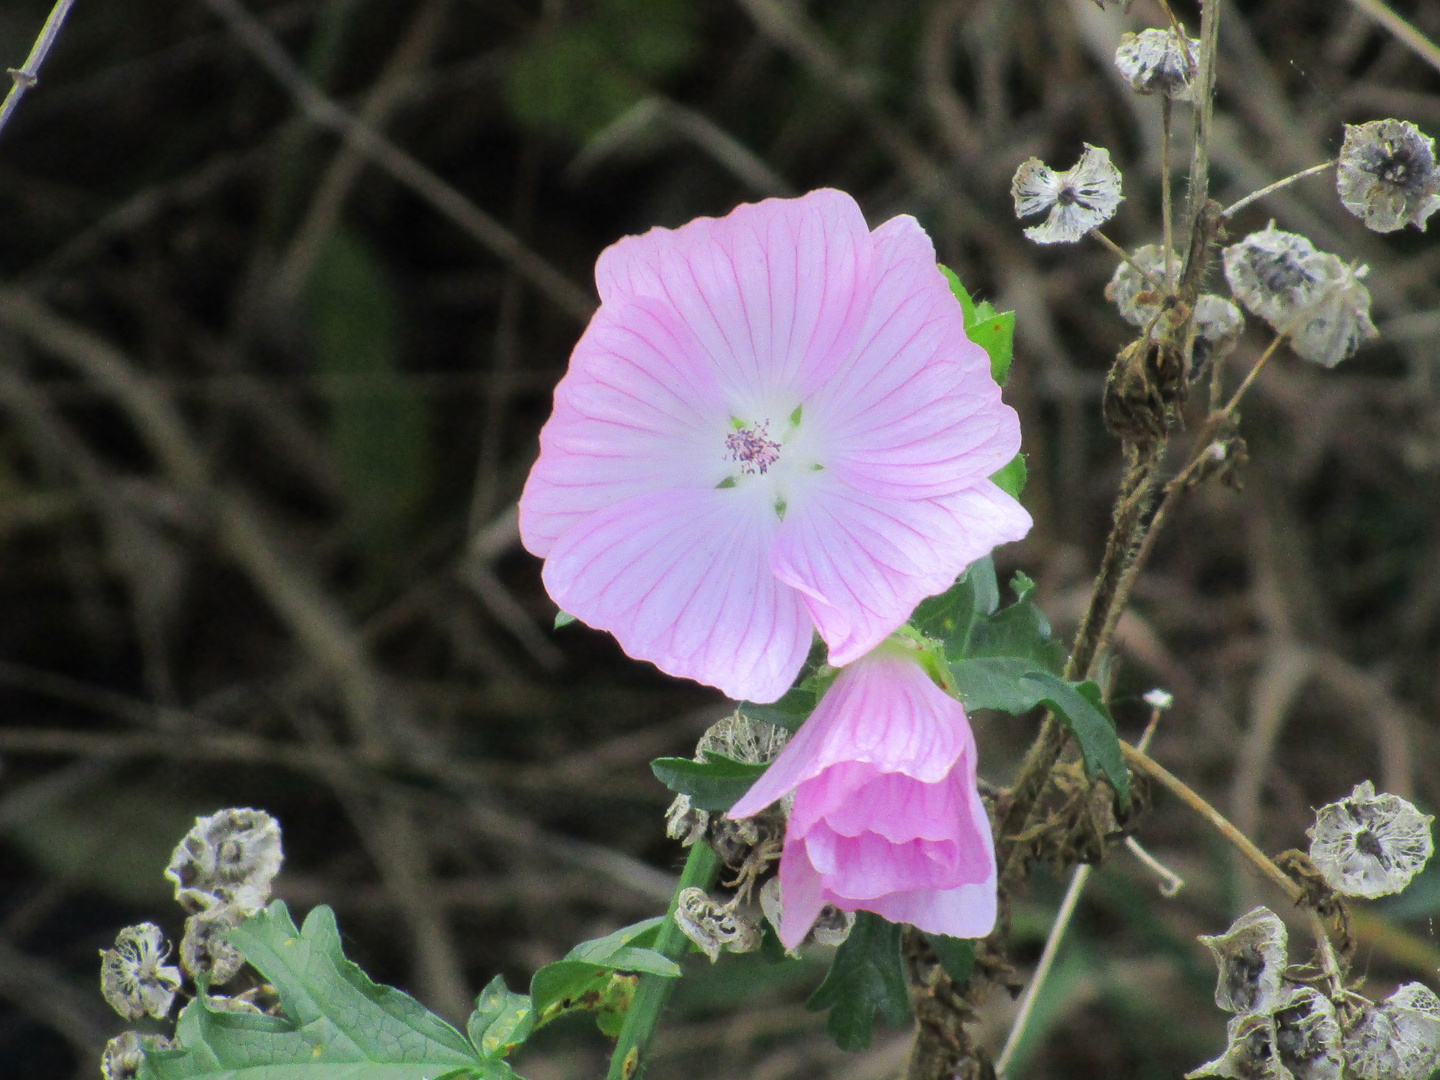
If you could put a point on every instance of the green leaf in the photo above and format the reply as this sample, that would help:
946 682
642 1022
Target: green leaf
1020 630
993 331
1011 479
338 1024
866 977
951 617
1013 684
714 784
502 1020
564 618
590 976
789 712
956 955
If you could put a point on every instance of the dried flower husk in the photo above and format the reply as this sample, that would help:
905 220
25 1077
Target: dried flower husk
1387 175
714 926
229 858
737 736
1370 845
1251 957
1159 60
1137 287
1218 325
1251 1052
204 950
125 1054
831 927
1311 295
1397 1040
1075 201
134 978
1307 1036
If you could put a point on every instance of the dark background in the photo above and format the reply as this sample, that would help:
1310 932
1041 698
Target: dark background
264 416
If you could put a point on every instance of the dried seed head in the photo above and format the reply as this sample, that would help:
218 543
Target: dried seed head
1251 1052
1251 956
204 950
1370 845
1218 325
1311 295
831 927
737 736
1387 175
1162 60
1123 5
1137 287
134 976
1397 1040
713 926
685 823
1307 1036
237 1004
230 857
125 1053
1077 200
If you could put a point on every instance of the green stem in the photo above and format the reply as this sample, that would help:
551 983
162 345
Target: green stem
700 871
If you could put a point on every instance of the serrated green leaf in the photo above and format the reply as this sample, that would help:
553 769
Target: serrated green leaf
338 1023
789 712
502 1020
563 619
1011 479
714 784
1020 630
591 977
1015 685
992 331
956 955
950 617
866 977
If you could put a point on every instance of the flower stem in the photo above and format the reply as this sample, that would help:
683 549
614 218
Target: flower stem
28 74
626 1063
1256 196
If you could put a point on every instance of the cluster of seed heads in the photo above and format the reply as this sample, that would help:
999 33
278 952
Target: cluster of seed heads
1365 845
222 872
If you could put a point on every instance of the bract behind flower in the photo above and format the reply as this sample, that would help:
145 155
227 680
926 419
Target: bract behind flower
773 425
887 817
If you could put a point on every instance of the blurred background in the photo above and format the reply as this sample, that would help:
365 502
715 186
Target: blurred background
267 402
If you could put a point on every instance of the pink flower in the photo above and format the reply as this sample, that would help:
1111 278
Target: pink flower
774 424
887 817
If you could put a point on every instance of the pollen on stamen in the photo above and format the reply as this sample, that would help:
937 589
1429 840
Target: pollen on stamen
753 448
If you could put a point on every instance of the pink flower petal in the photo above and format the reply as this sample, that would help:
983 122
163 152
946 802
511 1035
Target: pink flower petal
914 412
802 895
863 562
883 711
637 411
680 578
768 290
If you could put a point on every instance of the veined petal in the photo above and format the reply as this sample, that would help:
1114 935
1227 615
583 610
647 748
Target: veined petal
863 562
680 578
802 894
638 411
882 711
866 866
913 410
767 290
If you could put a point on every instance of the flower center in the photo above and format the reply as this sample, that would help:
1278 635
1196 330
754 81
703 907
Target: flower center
753 448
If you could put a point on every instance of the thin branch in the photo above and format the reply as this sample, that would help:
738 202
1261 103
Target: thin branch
400 165
28 74
1255 196
1413 39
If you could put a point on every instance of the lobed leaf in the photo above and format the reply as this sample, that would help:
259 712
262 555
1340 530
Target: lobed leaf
338 1024
592 976
866 977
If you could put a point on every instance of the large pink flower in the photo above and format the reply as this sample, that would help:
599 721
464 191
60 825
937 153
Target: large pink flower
887 817
774 424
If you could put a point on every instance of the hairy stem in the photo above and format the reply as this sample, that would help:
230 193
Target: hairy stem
650 996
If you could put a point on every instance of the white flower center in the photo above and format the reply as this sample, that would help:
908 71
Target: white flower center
772 457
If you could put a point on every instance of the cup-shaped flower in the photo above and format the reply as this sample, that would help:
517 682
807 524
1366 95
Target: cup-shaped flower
886 816
773 424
